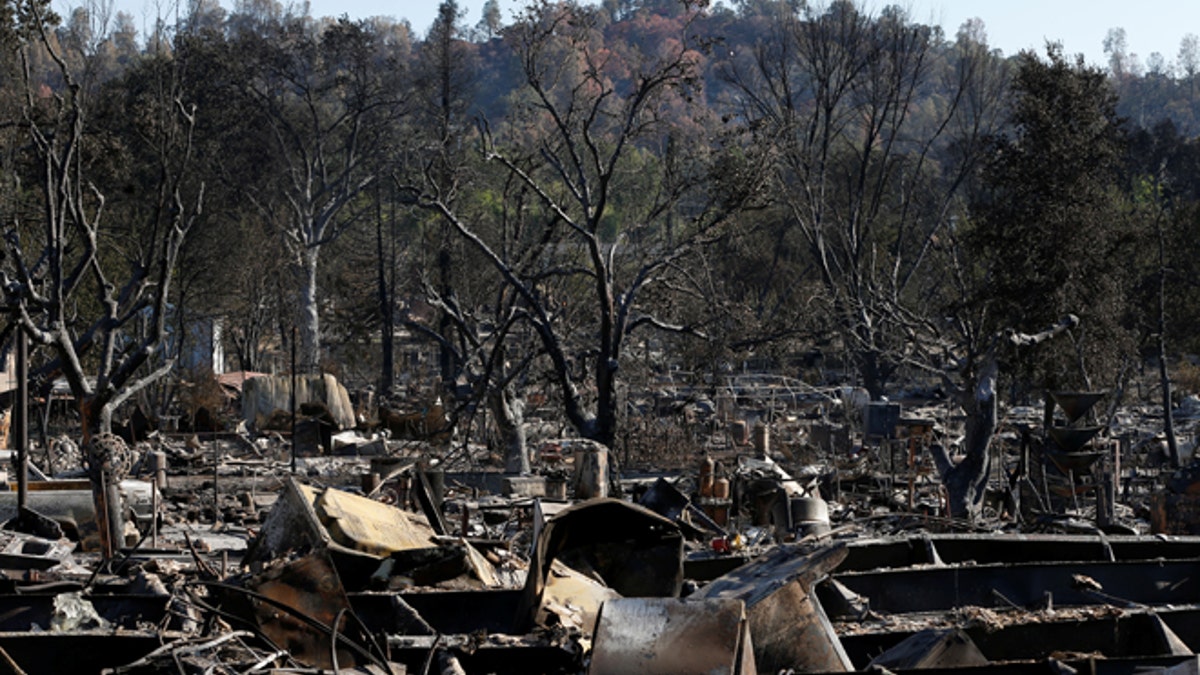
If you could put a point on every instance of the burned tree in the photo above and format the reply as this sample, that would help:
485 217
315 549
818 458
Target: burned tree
870 178
443 86
93 291
613 197
975 389
65 257
313 108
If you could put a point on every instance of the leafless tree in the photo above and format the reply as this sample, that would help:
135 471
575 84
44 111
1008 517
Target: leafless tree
869 177
95 294
612 198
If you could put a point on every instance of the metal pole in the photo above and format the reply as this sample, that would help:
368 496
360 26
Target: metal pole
100 495
50 470
21 418
293 399
216 473
154 515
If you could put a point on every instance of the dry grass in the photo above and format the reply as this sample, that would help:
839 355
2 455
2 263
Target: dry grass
1186 378
199 390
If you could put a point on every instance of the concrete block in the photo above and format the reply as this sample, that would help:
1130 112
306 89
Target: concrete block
525 486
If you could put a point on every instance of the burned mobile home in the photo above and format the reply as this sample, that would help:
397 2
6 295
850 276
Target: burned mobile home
814 538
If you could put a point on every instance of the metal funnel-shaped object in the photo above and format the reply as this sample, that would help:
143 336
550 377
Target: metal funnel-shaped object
1076 403
1074 461
1071 439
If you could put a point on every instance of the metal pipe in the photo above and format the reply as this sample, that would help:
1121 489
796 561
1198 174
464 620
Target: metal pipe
293 399
21 419
216 474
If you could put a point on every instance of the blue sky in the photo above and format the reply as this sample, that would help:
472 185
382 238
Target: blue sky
1012 25
1081 25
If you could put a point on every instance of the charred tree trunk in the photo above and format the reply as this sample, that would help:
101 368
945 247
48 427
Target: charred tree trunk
966 481
1164 376
1168 416
387 321
606 403
308 321
874 374
448 364
508 409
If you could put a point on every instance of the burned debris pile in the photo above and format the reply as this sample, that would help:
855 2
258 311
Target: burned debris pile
813 536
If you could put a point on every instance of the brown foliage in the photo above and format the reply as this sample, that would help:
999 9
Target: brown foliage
430 424
201 397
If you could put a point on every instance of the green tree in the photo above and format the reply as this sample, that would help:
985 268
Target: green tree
1189 62
1051 222
1116 47
490 21
1040 257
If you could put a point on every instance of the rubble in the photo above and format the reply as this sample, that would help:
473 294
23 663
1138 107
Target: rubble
806 543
